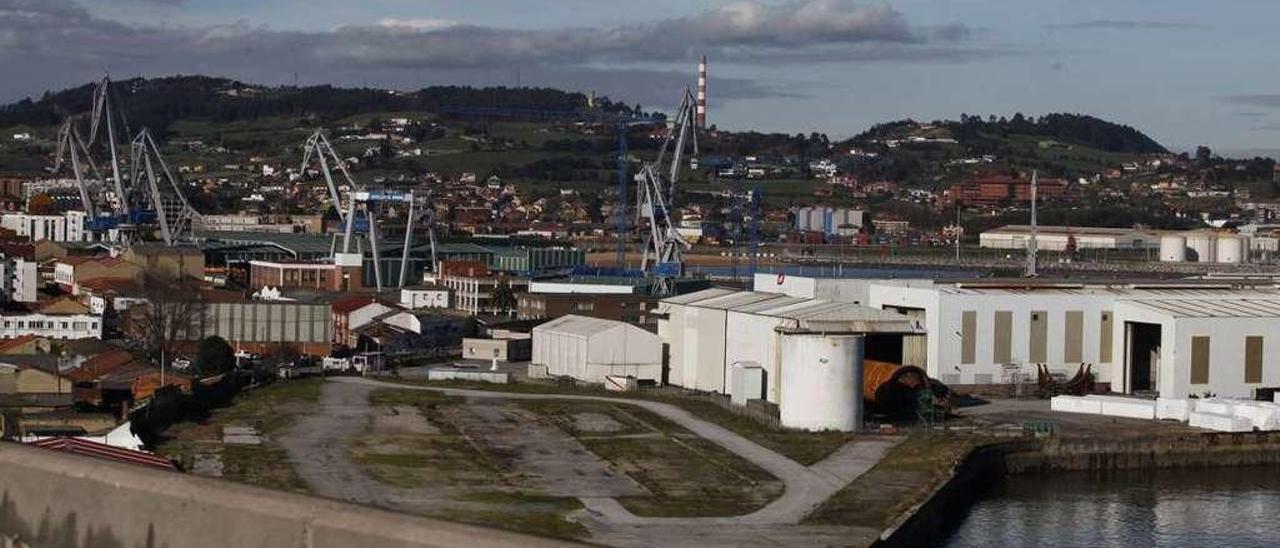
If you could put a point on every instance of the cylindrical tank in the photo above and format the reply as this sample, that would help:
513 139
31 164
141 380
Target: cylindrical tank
821 385
1202 247
1173 249
1232 249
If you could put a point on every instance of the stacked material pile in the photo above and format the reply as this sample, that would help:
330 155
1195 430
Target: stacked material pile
1221 414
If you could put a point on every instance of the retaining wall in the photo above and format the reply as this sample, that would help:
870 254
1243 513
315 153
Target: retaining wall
48 498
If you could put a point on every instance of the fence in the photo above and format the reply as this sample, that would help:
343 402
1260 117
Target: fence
760 411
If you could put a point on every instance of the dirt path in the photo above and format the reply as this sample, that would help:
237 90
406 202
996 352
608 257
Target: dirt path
315 447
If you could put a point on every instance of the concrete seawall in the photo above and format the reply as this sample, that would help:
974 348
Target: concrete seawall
49 498
930 522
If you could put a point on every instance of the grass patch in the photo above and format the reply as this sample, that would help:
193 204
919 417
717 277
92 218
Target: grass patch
545 524
903 479
630 419
417 460
270 409
686 475
261 465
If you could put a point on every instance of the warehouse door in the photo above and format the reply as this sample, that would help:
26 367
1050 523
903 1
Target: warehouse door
1142 355
915 348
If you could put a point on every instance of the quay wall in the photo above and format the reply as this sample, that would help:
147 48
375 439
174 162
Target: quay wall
931 521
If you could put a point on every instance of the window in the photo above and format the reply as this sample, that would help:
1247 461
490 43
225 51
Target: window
1104 338
1003 351
585 307
968 336
1073 337
1253 360
1199 360
1039 348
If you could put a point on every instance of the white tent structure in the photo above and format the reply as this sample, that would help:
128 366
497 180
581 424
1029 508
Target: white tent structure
589 349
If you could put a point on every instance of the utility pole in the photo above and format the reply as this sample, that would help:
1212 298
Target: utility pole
1032 243
958 231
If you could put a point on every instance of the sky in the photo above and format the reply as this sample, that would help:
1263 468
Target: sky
1187 72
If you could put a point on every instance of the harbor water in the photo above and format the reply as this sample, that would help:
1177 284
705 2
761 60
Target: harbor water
1221 507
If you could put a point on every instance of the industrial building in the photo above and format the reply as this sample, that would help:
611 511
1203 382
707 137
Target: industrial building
503 347
1226 347
1176 338
1060 238
830 221
809 351
590 349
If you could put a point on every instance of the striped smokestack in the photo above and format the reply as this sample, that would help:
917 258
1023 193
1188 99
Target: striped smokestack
700 120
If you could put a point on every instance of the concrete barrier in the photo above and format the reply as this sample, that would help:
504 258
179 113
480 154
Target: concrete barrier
51 498
1178 409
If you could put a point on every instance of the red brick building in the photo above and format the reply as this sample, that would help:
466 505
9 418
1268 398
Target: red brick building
317 276
993 190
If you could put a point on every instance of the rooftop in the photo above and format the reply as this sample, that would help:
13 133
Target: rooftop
1214 308
1076 230
803 314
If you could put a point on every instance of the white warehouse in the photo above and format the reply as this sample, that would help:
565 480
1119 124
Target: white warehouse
590 349
1056 238
809 350
1200 346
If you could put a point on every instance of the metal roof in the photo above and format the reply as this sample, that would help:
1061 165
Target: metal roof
1162 290
1213 308
803 314
584 326
698 296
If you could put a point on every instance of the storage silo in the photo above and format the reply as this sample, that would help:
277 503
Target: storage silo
1173 248
1232 249
1203 247
822 382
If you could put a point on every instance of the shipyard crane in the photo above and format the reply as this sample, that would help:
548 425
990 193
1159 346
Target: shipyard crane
150 195
357 212
663 245
151 179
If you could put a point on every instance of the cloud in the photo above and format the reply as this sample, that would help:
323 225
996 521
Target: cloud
416 24
1268 100
60 42
1127 24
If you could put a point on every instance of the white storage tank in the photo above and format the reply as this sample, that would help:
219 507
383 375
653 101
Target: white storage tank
1232 249
1173 248
1203 247
822 382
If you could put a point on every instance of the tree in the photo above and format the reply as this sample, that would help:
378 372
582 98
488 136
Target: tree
40 204
504 299
1203 155
170 312
215 356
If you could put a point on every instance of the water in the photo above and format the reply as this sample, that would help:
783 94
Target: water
1227 507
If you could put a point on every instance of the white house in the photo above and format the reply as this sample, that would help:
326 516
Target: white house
67 227
63 319
414 298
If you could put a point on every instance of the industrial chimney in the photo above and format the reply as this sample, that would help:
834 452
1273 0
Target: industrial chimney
701 118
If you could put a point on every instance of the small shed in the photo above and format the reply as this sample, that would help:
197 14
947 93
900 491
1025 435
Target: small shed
589 349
